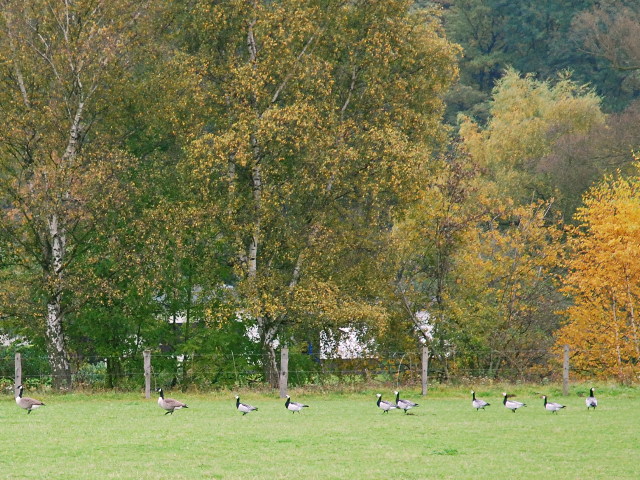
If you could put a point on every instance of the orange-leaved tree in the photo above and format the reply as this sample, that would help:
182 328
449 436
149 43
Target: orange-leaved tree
604 280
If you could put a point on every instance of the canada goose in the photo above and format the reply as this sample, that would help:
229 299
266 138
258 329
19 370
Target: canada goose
243 407
385 406
591 401
294 406
404 404
26 402
169 404
512 404
551 406
477 403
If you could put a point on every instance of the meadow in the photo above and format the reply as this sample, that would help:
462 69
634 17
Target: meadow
341 436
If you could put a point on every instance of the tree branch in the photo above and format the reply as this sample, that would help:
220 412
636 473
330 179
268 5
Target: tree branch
288 77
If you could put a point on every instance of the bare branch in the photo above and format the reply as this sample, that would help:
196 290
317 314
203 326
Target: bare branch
351 88
275 96
251 42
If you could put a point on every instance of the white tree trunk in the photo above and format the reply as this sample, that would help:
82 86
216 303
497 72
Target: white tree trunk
56 345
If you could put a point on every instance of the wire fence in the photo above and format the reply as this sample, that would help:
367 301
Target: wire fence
233 370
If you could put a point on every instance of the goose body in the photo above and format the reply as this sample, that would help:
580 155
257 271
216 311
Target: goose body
591 400
26 402
169 404
404 404
478 403
294 406
552 406
384 405
512 404
244 407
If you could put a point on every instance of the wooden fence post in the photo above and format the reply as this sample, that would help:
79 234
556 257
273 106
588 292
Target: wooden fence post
284 371
18 370
565 372
147 373
425 369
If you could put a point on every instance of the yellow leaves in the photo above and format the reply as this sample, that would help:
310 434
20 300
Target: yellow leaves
339 112
604 276
602 340
508 265
609 233
528 117
324 303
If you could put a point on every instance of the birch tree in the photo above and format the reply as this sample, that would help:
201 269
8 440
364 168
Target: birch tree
59 59
323 115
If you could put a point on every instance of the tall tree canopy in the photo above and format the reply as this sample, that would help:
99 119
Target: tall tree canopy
528 118
596 40
60 175
283 168
319 134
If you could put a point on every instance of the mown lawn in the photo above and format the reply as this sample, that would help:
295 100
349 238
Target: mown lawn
341 436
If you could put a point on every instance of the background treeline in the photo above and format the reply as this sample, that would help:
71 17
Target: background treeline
211 180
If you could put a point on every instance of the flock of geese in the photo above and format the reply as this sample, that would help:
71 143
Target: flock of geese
477 403
170 404
591 401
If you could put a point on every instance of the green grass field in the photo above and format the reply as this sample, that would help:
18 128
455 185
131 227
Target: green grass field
341 436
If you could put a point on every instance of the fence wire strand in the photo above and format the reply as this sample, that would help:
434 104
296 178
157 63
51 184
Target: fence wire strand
238 369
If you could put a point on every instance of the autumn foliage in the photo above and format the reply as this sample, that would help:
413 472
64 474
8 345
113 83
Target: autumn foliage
272 172
604 281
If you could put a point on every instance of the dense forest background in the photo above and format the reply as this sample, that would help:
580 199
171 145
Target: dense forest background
204 178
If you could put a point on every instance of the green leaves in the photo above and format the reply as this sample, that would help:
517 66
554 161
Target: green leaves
322 133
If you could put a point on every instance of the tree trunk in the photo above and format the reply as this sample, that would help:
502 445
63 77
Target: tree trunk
616 327
632 317
269 364
270 367
56 346
185 359
114 371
